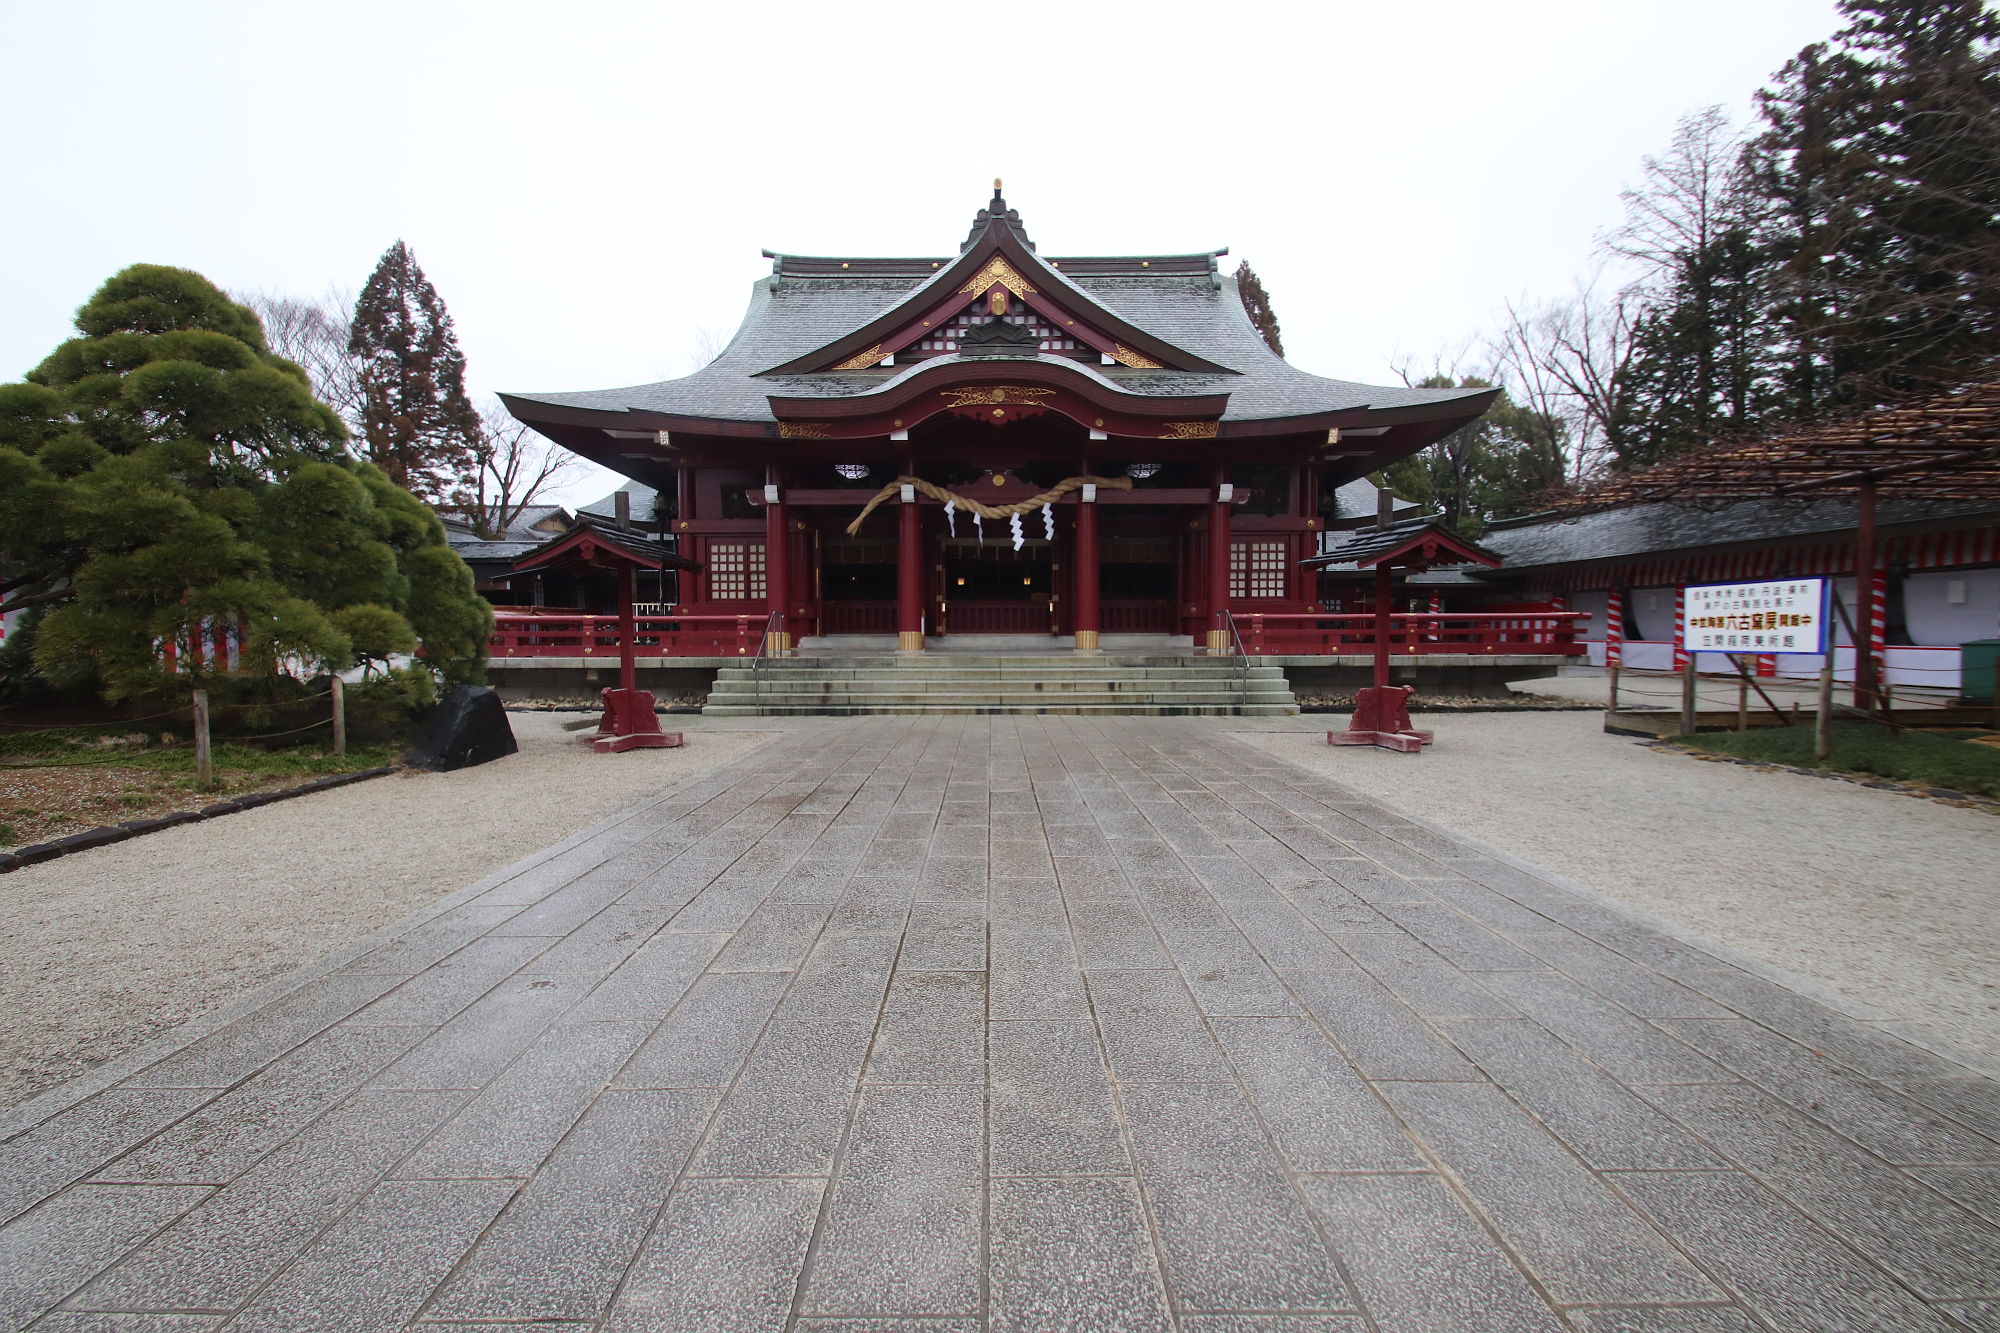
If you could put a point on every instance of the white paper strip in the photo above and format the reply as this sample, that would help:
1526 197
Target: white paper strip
951 517
1048 523
1014 526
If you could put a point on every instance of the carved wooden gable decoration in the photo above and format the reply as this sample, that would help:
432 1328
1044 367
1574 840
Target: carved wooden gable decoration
998 298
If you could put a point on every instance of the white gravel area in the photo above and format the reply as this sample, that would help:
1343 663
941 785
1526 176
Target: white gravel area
107 948
1890 900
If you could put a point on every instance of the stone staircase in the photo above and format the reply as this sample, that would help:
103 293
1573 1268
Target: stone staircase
1161 686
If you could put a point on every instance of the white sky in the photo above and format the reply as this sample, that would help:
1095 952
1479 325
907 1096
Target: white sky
588 185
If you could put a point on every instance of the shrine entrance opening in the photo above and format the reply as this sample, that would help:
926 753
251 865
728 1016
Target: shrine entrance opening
991 588
857 586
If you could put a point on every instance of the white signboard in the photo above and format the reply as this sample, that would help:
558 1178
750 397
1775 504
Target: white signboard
1782 616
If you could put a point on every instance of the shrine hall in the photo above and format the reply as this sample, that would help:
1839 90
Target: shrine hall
995 442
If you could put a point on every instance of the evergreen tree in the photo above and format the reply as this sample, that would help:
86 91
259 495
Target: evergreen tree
417 424
164 474
1257 304
1879 167
1698 364
1491 468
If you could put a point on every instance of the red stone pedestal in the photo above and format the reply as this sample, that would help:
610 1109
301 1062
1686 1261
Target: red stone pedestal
629 723
1382 719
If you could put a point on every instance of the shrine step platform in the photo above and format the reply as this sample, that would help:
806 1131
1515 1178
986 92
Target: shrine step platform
1153 685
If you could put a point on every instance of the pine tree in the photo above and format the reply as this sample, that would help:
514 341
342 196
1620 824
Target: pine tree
1257 304
164 474
1879 167
417 424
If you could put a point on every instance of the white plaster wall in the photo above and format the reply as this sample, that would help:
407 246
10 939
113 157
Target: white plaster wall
1936 621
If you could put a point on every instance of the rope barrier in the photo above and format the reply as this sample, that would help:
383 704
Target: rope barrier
983 510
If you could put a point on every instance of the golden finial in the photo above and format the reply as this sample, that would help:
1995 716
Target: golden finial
996 185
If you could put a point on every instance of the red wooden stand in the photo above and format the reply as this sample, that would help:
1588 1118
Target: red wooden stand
629 723
1382 718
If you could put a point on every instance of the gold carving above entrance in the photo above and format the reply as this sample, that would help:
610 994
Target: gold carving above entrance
1014 395
804 430
1189 430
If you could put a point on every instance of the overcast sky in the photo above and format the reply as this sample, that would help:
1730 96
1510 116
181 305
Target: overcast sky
588 185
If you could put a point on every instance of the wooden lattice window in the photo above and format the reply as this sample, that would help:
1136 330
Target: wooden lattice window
945 338
1258 569
736 571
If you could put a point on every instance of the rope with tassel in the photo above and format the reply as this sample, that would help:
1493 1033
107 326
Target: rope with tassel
943 496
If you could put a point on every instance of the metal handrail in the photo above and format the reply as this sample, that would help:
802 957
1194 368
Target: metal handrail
772 624
1242 653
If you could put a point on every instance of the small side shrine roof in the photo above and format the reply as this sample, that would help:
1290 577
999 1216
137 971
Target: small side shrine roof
1412 543
592 543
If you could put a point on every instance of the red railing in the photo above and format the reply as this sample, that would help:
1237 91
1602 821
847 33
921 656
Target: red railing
1538 633
857 617
597 636
996 618
1544 633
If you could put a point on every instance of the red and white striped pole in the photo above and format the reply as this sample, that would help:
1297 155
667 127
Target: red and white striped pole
1680 628
1767 664
1614 627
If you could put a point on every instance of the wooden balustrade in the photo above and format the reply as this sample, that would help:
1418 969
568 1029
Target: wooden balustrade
597 636
1536 633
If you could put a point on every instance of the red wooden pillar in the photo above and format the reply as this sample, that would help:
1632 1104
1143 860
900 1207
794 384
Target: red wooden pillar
1868 616
628 632
1085 568
777 561
690 587
909 576
1383 625
1218 563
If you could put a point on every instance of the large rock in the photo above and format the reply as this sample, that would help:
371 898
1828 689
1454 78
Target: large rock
468 726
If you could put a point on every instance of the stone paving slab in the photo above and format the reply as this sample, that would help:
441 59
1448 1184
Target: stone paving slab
935 1025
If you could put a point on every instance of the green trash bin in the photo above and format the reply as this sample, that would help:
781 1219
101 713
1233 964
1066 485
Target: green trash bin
1976 670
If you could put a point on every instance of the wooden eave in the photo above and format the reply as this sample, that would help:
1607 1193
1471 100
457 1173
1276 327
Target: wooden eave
593 545
906 318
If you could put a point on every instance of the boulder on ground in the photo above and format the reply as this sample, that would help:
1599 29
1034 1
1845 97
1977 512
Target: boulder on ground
467 727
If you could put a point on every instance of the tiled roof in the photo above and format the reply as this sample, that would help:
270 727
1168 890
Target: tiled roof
1655 528
789 317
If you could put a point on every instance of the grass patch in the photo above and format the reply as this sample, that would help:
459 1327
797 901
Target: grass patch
1914 757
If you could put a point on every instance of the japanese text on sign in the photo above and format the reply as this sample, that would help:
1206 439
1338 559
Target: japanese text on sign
1783 616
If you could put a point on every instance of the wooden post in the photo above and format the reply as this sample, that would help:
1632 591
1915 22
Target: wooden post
1863 629
339 716
1085 573
1690 720
1742 697
1384 626
628 631
1612 707
909 575
204 761
777 560
1218 562
1822 742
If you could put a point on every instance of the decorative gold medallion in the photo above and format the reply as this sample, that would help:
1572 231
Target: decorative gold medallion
1188 430
997 271
804 430
1125 356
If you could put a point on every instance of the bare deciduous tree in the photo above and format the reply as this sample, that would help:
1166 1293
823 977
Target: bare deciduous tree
513 467
1571 358
315 333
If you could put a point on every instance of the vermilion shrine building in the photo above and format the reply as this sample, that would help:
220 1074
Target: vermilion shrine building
1195 469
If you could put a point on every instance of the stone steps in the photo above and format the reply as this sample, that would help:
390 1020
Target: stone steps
1154 684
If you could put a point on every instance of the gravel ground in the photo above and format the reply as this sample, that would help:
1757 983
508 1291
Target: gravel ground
106 948
1892 901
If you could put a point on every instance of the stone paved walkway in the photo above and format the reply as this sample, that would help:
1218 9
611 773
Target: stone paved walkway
1026 1024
